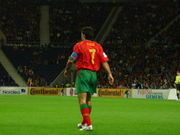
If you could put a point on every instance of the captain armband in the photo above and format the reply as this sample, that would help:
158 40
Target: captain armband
73 57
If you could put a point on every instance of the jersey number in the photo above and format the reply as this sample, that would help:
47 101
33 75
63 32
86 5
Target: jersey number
92 51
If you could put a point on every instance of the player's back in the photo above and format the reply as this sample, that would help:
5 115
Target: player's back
89 55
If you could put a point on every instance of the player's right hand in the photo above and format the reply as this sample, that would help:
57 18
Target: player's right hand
110 79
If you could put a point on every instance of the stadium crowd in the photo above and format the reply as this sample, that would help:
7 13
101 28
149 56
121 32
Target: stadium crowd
41 64
143 67
134 64
66 20
20 21
139 21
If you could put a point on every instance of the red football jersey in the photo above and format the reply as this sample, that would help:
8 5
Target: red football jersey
90 55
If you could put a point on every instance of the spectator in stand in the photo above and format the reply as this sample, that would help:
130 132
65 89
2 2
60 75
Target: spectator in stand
177 82
30 82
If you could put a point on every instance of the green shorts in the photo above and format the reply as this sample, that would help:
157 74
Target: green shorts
86 81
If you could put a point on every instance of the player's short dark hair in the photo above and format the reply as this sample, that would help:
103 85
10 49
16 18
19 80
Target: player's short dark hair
88 32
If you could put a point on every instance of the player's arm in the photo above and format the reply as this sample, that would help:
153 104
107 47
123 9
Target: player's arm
70 61
68 66
106 67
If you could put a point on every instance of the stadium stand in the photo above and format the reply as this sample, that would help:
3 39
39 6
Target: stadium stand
5 79
134 64
40 64
139 21
169 37
151 67
20 21
66 20
46 63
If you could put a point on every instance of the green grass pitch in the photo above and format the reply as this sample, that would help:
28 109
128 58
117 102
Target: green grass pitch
57 115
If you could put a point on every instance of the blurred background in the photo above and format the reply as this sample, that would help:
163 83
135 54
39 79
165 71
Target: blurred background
139 36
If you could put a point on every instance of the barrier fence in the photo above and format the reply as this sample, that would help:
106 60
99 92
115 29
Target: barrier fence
114 92
44 91
101 92
155 93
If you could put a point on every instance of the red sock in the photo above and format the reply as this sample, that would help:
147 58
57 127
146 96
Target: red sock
85 114
90 108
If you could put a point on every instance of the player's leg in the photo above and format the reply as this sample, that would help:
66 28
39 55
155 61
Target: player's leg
82 102
88 101
93 84
82 97
89 126
86 123
92 89
178 90
82 88
177 94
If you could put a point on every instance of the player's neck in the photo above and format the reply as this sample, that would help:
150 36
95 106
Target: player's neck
86 40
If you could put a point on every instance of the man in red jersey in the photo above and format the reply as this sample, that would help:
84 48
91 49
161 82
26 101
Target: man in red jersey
89 56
